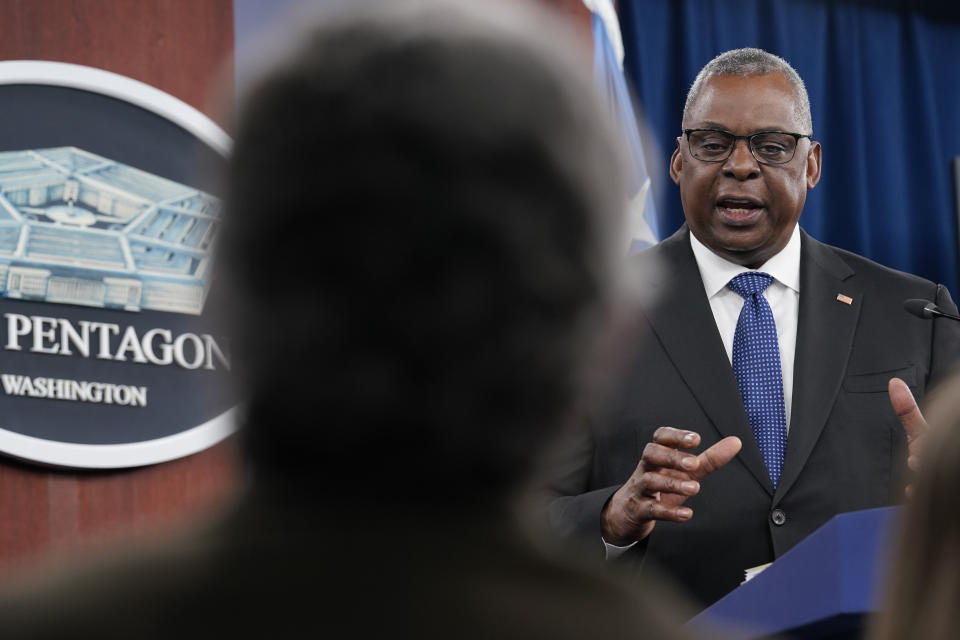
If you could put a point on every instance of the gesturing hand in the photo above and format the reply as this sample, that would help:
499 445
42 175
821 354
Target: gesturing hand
912 420
664 478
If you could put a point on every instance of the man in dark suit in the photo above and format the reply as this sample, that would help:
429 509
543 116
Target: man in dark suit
755 415
420 226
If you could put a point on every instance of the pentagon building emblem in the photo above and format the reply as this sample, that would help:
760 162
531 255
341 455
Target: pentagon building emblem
82 229
112 353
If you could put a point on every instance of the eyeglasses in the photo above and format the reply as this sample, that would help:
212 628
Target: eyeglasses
767 147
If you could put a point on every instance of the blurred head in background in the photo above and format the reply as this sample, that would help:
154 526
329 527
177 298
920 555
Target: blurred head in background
421 221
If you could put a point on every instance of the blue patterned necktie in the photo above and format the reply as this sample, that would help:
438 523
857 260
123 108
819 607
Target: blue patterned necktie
756 365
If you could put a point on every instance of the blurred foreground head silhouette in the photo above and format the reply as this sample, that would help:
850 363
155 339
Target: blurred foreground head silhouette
421 211
418 248
420 223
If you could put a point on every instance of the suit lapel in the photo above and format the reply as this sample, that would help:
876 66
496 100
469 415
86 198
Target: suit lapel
677 308
825 331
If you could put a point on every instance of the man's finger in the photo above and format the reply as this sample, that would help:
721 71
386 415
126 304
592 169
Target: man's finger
676 438
657 511
658 456
654 483
906 409
718 455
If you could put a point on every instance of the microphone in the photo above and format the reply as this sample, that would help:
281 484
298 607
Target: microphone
926 309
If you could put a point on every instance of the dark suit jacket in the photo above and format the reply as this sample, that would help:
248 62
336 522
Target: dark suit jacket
293 568
845 450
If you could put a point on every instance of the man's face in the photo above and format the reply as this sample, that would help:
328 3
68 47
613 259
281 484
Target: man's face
745 211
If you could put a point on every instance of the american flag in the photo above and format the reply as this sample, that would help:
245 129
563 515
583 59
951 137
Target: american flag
608 71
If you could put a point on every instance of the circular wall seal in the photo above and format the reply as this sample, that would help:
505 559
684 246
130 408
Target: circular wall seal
109 352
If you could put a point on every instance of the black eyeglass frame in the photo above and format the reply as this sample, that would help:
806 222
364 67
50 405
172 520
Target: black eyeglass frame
749 139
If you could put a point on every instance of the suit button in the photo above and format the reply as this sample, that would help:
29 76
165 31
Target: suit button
778 516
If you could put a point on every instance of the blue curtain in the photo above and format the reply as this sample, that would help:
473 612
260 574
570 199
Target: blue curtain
884 87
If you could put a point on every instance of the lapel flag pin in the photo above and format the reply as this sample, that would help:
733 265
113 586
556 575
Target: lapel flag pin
844 299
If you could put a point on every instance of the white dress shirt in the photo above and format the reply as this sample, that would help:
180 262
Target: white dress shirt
783 296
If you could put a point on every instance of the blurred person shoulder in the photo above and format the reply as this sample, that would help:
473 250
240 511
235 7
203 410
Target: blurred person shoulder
271 566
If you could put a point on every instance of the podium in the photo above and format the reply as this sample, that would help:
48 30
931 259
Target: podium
822 588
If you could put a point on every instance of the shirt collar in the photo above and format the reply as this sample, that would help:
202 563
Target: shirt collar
716 272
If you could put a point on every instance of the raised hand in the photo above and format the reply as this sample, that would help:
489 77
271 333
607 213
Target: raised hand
912 420
664 478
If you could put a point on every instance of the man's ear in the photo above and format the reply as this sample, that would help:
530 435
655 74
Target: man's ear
676 163
813 164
